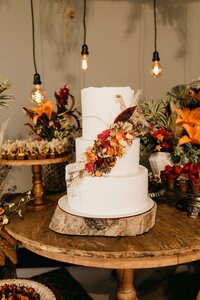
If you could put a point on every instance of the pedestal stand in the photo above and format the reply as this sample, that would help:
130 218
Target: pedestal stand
38 194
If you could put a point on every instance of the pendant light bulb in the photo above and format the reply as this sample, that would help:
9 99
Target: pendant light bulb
38 96
156 68
84 59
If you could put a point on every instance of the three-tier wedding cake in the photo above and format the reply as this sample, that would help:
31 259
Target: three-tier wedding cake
122 191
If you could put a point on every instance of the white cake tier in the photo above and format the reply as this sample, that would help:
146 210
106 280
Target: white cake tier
126 165
110 196
100 107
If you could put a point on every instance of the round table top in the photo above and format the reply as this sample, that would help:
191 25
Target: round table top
174 239
31 162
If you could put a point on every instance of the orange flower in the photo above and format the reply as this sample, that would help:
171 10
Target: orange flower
120 135
191 123
157 147
98 173
110 151
160 137
186 116
91 157
194 135
113 142
46 109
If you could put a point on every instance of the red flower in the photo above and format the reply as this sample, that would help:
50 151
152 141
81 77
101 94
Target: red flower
89 167
165 145
103 135
177 169
105 144
172 176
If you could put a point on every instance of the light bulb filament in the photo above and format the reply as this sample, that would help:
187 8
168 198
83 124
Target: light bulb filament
38 95
84 62
156 69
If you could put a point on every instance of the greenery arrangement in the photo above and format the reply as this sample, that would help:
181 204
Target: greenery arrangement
173 124
4 97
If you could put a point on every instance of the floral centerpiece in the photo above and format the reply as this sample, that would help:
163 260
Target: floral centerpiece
173 124
57 127
49 123
172 137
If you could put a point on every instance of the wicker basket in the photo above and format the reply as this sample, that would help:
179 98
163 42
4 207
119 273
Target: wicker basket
53 176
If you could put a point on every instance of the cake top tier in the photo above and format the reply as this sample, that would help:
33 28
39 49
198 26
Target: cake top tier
100 106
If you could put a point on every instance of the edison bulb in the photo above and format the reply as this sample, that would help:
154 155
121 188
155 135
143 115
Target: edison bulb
84 62
156 69
38 95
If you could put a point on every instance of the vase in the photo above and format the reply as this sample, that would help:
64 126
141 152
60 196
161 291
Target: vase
158 161
171 183
53 177
183 185
196 189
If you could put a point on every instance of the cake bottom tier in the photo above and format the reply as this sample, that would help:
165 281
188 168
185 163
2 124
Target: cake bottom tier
109 197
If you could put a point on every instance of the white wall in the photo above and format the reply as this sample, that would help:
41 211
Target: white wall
120 37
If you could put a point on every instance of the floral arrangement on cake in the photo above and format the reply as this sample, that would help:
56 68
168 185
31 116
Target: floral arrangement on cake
185 178
110 144
174 124
59 123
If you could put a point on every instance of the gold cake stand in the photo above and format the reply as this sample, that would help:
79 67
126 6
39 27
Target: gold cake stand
39 200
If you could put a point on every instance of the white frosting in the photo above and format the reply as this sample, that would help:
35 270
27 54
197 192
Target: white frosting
122 192
126 165
110 196
100 107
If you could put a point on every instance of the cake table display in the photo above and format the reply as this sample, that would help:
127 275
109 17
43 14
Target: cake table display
107 189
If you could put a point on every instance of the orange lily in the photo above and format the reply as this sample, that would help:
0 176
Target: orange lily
193 135
46 109
188 116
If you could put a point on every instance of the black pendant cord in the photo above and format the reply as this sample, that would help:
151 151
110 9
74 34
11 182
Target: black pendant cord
84 22
155 26
33 35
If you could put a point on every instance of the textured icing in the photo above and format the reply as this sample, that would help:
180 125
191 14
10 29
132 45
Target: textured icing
100 107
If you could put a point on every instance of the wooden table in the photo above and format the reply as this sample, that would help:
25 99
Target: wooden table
175 239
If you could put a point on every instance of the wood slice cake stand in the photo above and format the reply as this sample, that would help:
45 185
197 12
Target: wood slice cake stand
38 194
67 223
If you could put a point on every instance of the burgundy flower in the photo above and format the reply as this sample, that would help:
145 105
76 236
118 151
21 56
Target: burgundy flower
64 94
99 162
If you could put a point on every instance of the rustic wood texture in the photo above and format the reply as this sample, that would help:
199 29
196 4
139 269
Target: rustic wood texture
66 223
126 290
31 162
174 239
